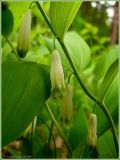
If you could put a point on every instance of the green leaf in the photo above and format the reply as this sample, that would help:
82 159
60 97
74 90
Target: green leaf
112 55
40 148
25 87
37 147
106 146
108 91
7 22
79 150
111 102
77 48
108 79
79 129
105 60
62 14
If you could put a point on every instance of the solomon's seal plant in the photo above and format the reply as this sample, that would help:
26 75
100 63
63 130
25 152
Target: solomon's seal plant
24 35
92 130
57 76
71 137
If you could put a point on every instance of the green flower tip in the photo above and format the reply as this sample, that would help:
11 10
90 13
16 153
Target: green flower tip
22 52
58 92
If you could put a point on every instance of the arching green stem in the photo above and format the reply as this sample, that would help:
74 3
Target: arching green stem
95 99
13 49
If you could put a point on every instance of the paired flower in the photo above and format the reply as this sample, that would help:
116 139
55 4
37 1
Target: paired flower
24 35
59 90
92 130
67 107
57 76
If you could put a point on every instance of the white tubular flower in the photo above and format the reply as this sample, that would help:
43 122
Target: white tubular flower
92 130
67 107
57 76
24 35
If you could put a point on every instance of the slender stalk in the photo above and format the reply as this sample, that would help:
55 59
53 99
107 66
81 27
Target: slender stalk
70 77
13 49
31 5
32 133
59 128
54 42
102 106
94 107
32 139
49 139
45 17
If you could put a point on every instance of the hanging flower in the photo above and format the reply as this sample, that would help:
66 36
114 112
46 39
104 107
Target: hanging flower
24 35
57 76
92 130
67 107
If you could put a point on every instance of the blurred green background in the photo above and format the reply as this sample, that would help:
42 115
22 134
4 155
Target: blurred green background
97 23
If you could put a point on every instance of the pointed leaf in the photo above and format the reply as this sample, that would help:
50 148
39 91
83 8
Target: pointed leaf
62 14
111 101
108 79
25 87
106 146
78 130
7 22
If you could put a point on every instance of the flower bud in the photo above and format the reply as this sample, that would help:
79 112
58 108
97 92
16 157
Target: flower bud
92 129
57 76
67 107
24 35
